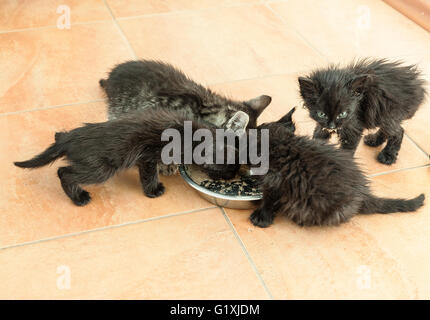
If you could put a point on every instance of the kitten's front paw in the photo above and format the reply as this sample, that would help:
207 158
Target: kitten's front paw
387 157
155 192
373 140
259 220
82 199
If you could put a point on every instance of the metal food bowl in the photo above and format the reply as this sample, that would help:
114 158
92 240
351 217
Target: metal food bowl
222 200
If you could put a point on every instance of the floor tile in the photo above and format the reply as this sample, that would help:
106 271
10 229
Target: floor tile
125 193
404 236
418 127
40 13
192 256
343 30
371 257
33 204
212 47
126 8
321 263
410 156
48 67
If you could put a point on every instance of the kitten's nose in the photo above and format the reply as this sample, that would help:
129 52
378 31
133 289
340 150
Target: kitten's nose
331 125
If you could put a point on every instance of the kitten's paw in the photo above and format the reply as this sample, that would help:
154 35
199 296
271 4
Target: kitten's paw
155 192
387 157
82 199
373 140
258 220
167 170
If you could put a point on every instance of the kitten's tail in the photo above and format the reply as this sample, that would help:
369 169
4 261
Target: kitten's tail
55 151
383 205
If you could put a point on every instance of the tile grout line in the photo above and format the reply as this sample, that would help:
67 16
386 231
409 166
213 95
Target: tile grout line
192 11
51 107
397 170
304 39
53 26
102 100
245 251
261 2
115 226
123 36
416 144
255 78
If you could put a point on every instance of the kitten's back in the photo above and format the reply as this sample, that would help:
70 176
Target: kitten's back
395 78
313 168
138 85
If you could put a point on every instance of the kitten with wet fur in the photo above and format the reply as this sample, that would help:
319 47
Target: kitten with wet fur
133 86
315 183
365 94
95 152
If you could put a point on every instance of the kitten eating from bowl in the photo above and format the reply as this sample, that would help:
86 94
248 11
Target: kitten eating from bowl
313 183
97 151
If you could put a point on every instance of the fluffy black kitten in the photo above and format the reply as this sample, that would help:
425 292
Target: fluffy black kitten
366 94
95 152
136 85
315 183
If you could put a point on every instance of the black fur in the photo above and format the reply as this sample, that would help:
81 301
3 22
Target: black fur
315 183
136 85
97 151
366 94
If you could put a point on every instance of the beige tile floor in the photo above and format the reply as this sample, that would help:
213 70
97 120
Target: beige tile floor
124 245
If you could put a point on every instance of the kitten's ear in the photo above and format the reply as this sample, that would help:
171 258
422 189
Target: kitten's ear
238 122
307 87
358 83
259 104
287 120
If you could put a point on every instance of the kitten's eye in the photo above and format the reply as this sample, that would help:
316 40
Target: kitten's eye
342 115
321 114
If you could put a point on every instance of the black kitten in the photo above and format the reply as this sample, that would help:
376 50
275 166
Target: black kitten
364 95
95 152
136 85
314 183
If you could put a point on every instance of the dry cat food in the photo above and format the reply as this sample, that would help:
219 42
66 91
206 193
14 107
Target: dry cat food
241 185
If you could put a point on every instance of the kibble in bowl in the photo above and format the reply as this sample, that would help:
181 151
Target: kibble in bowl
241 192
